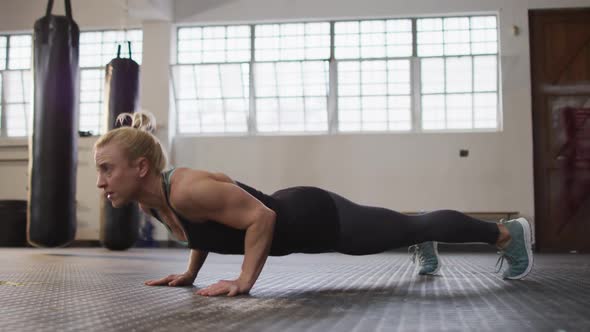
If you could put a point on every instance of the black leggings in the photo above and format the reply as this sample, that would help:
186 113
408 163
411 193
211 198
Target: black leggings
369 230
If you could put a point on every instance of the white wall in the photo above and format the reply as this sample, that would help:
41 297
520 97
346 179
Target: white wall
406 172
20 15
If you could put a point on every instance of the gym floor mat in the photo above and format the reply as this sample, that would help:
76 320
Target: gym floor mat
93 289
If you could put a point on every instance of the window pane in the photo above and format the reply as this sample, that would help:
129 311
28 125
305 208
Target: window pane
185 82
287 92
349 78
316 117
266 80
212 115
483 22
188 116
459 111
484 35
457 42
400 112
485 107
267 114
485 73
17 119
17 87
290 80
19 53
457 36
231 82
398 77
91 97
16 104
459 74
374 114
208 81
432 75
292 41
1 100
3 40
429 37
433 112
373 78
374 95
347 40
212 98
291 114
91 118
462 78
373 39
214 44
315 78
98 48
108 49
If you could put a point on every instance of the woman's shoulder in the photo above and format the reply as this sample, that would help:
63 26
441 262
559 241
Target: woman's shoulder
185 175
185 183
189 176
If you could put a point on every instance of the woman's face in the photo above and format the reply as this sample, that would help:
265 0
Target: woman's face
117 176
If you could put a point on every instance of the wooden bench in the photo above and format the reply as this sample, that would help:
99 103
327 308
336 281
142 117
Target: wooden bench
487 216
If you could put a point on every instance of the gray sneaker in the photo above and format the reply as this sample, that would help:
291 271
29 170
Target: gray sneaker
426 254
519 252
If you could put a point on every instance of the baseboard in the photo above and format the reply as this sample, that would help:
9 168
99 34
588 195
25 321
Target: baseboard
97 244
460 247
152 244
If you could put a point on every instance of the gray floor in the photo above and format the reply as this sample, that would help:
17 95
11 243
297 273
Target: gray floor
98 290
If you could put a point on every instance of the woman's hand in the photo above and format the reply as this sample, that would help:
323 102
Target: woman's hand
226 287
174 280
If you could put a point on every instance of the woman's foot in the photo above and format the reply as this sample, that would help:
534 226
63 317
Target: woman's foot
426 254
515 244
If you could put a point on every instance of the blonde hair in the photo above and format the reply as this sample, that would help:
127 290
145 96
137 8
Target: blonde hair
135 137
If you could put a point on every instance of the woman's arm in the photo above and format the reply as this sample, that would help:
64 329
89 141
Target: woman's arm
256 248
195 262
229 204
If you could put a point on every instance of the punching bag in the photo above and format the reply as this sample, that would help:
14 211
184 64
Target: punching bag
119 227
51 217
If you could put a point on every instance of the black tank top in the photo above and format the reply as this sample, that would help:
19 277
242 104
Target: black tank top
307 222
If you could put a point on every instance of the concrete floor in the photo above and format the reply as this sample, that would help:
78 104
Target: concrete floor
92 289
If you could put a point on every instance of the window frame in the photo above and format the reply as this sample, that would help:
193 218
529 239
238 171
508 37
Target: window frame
416 109
27 106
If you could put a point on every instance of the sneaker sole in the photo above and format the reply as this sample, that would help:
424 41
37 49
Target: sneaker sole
529 248
435 244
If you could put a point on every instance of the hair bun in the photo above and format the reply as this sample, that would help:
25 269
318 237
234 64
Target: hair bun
141 120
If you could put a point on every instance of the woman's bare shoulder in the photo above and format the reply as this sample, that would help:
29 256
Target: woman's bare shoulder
188 176
185 182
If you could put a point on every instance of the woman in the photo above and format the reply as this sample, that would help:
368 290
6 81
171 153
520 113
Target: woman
211 212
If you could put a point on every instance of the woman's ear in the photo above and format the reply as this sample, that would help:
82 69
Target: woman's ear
143 166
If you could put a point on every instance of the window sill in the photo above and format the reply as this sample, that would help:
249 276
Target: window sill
14 142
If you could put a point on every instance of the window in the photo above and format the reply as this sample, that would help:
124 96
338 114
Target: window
459 84
97 49
291 77
213 88
347 76
374 92
15 84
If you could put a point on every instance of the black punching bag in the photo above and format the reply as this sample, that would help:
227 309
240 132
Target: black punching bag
119 227
51 218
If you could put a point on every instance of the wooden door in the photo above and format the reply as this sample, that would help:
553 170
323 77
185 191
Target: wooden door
560 74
